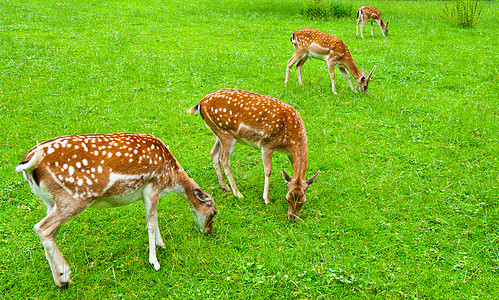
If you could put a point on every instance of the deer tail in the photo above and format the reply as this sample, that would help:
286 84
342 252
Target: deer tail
32 162
193 110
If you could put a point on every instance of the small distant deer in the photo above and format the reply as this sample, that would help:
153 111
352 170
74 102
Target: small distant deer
71 173
264 123
371 14
317 44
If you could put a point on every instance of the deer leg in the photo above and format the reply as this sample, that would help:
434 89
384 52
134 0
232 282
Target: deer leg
372 33
362 28
289 65
381 28
159 240
226 152
359 20
298 68
267 165
215 155
347 77
150 202
297 56
330 66
47 231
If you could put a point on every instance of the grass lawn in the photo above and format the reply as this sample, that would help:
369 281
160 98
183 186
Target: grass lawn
406 201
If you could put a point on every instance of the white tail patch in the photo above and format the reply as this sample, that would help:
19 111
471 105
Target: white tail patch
33 162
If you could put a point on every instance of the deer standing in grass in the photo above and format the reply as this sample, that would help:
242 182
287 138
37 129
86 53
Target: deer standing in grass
317 44
264 123
370 14
71 173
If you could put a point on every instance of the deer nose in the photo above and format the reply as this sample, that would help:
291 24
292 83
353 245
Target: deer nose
209 228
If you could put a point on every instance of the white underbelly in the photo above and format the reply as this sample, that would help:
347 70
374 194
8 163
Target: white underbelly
318 56
118 200
256 145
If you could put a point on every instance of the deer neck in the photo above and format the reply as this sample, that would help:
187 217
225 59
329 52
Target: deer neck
180 183
353 69
300 160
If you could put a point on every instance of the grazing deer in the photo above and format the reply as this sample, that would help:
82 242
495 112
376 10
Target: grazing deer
71 173
264 123
371 14
317 44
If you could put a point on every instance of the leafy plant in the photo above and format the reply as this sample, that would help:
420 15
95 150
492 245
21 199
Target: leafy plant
323 10
341 10
464 13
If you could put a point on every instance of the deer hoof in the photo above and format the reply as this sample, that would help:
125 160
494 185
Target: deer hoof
155 265
225 187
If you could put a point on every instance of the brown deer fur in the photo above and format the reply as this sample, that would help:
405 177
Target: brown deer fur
265 123
313 43
371 14
71 173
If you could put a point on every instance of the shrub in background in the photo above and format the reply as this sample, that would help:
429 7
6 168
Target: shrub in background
324 10
464 13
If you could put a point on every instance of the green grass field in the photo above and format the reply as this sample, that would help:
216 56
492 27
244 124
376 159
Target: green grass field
406 202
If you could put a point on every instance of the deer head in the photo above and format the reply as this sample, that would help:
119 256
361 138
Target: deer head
296 194
363 82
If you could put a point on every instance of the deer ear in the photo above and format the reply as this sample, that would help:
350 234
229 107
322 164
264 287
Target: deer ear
362 72
371 74
202 196
312 179
286 176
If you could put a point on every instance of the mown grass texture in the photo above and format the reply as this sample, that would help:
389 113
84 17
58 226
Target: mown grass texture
405 204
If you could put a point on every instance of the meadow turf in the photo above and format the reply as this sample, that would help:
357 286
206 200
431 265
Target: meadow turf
405 204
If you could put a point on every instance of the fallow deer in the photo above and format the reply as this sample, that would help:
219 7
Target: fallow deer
71 173
264 123
371 14
317 44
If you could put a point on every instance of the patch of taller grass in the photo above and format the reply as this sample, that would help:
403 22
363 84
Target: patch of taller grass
325 10
462 13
